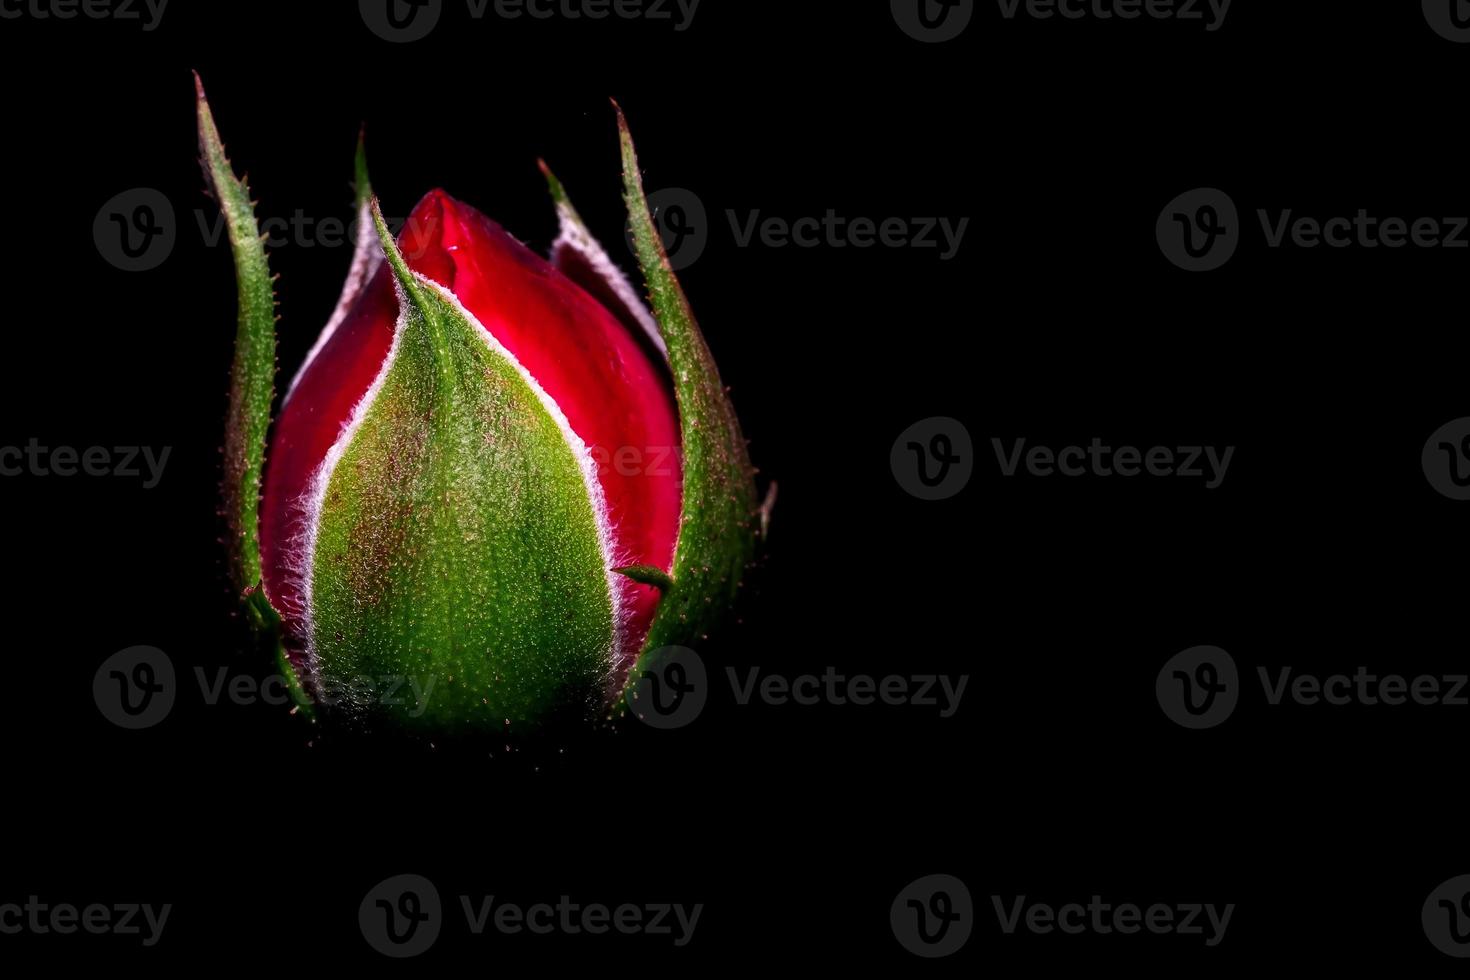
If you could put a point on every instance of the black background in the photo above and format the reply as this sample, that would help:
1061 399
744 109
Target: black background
1059 320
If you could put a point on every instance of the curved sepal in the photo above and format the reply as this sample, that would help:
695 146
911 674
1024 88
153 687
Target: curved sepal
459 542
252 376
367 256
647 575
720 513
581 258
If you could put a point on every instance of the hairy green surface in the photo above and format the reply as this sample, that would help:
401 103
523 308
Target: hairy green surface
362 184
647 575
457 544
559 195
252 377
720 514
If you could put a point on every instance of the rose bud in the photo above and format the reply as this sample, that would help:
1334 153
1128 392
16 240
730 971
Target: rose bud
496 482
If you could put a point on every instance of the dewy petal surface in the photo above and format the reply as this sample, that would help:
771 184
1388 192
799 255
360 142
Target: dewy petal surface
616 398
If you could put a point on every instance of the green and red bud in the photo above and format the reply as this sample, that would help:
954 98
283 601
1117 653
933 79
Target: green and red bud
499 472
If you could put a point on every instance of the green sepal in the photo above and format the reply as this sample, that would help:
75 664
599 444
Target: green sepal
267 623
362 184
458 543
600 275
299 696
252 376
720 517
647 575
559 195
259 611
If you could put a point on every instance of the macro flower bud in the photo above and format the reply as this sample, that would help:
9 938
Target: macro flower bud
498 474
